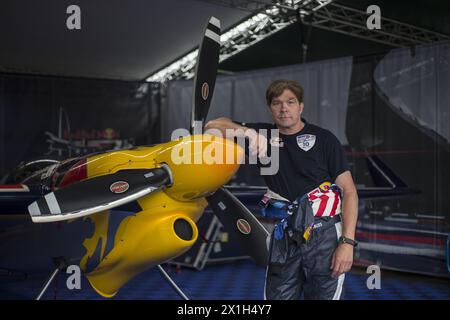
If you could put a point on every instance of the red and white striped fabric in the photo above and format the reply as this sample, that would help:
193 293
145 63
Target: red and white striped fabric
14 188
325 201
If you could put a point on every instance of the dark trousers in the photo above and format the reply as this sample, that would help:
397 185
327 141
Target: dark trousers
304 268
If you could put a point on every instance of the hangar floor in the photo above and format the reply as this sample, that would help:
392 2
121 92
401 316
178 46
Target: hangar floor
241 280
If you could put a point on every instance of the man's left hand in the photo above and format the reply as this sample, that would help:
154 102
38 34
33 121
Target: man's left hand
342 259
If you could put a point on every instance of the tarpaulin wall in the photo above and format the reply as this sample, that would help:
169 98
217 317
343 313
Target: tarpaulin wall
395 106
98 113
242 98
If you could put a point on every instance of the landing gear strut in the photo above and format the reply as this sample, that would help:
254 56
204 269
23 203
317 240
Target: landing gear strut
60 264
172 283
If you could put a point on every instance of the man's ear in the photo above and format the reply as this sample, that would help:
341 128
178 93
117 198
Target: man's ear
301 107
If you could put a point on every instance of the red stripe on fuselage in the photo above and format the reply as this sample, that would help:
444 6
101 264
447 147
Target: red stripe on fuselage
13 188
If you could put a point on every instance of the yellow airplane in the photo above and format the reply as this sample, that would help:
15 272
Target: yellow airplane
172 198
169 184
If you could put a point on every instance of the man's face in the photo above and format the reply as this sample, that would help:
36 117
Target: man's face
286 110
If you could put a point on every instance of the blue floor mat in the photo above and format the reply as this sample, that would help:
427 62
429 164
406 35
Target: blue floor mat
241 280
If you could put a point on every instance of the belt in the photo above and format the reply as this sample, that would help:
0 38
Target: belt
300 237
326 222
321 222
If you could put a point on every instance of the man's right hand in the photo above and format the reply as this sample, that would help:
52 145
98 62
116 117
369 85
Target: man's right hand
257 143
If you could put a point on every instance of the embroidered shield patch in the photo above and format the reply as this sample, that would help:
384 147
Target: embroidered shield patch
306 141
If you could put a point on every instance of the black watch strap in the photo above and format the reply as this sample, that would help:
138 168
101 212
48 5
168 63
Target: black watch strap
343 239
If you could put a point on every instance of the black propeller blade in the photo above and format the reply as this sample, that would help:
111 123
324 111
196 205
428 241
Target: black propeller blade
206 71
236 218
241 224
98 194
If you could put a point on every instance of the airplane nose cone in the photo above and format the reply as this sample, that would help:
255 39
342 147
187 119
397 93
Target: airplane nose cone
222 152
200 165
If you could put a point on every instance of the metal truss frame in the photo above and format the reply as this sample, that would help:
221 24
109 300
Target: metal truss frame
273 16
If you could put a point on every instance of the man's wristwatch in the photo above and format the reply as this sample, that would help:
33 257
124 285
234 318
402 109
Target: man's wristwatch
343 239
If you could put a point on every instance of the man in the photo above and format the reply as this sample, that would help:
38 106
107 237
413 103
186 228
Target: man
312 246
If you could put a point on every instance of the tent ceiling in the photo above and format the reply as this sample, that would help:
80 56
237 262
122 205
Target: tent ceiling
130 39
118 39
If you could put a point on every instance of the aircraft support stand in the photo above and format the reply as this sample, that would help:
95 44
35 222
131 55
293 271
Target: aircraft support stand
60 264
172 283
